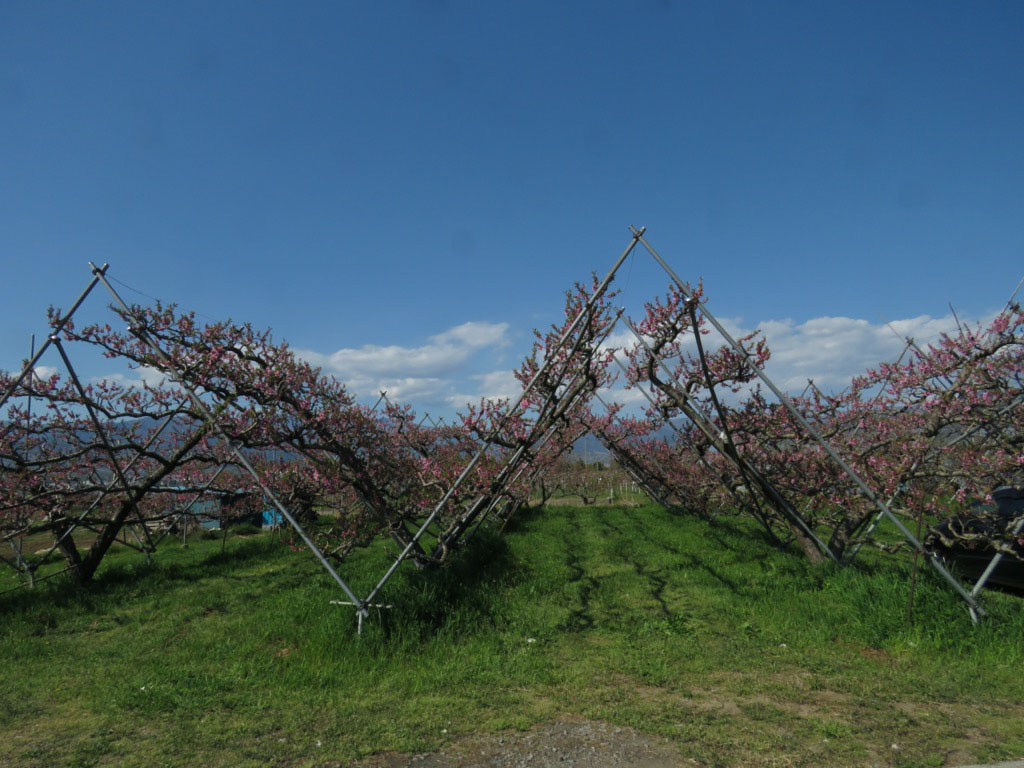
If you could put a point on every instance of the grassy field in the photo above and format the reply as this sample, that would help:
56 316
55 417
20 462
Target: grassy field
703 634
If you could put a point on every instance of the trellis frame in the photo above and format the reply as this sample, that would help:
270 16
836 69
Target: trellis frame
974 607
519 460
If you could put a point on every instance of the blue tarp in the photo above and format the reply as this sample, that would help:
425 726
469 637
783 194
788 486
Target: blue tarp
271 518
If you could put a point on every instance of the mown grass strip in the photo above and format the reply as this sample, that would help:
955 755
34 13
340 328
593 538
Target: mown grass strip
703 633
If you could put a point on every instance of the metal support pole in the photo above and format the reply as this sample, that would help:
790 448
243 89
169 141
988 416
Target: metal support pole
745 467
23 564
78 520
704 462
972 431
972 603
102 435
602 287
994 563
205 411
97 275
551 430
615 448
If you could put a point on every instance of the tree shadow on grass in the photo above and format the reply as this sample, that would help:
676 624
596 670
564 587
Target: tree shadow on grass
462 593
241 552
580 618
745 544
131 571
523 517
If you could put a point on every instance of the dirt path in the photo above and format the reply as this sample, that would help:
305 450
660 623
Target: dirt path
568 745
585 744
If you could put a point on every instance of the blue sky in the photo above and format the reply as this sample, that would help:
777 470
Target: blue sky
404 190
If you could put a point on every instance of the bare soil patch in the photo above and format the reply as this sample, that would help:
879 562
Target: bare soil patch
586 744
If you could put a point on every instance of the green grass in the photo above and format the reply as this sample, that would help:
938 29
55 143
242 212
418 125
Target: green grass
703 634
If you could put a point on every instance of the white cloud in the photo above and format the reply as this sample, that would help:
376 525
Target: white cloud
143 375
496 385
411 389
829 350
425 374
832 350
474 335
40 372
43 372
626 397
620 338
445 352
395 360
439 374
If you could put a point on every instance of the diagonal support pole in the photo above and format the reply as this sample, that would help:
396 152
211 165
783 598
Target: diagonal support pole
972 603
102 435
780 502
98 273
637 236
215 426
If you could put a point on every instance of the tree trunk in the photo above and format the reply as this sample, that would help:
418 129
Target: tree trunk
93 558
68 548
